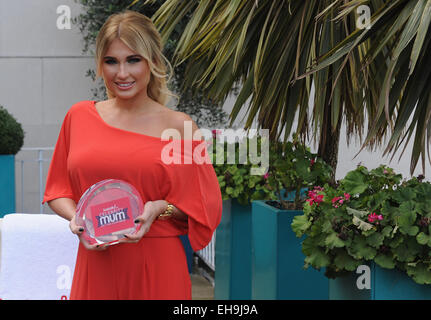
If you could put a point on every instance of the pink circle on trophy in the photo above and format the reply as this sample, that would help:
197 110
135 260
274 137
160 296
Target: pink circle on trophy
107 210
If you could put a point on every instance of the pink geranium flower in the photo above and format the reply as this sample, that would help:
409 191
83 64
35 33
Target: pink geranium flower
318 198
314 197
336 202
374 217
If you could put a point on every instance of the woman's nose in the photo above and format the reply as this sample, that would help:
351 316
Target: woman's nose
122 71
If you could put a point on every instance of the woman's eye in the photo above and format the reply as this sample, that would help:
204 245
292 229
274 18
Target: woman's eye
134 60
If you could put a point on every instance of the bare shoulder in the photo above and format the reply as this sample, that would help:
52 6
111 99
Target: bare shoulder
183 123
103 106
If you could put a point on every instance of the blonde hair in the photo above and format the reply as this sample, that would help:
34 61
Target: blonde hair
140 35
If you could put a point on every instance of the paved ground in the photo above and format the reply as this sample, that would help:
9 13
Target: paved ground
202 289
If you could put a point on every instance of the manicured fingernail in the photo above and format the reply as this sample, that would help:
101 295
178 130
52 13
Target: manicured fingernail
81 229
125 236
136 221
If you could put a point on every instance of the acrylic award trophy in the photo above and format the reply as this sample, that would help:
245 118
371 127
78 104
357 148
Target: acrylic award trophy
107 210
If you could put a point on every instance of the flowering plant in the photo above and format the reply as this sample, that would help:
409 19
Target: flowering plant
293 169
372 215
236 179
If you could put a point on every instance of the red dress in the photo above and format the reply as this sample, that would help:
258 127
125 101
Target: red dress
89 150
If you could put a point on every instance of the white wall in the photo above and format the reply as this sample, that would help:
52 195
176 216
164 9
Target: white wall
42 74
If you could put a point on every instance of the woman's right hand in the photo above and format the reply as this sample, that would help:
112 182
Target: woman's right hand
66 208
78 230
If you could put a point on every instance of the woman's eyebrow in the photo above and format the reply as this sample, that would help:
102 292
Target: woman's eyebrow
129 57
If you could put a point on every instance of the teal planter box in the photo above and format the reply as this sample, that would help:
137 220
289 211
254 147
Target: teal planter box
188 251
383 284
233 253
278 262
7 184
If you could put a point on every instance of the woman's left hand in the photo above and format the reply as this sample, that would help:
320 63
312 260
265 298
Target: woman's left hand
151 211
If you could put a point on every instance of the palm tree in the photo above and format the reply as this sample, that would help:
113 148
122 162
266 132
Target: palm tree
400 85
278 50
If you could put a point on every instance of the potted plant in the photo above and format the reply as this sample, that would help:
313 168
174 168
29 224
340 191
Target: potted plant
11 141
239 187
277 258
373 221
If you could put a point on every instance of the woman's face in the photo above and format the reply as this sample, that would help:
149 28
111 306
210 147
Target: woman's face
126 73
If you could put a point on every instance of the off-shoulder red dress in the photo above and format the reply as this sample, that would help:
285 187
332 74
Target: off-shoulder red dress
89 150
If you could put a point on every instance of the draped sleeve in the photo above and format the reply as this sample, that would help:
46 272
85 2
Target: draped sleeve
194 189
58 184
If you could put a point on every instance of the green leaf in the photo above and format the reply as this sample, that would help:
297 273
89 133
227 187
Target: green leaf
327 227
362 225
407 250
396 241
300 224
385 261
333 241
251 184
354 182
233 169
356 213
408 207
394 231
378 199
419 272
421 34
302 167
423 239
238 180
344 261
375 240
318 259
386 232
361 250
406 223
410 230
307 208
314 255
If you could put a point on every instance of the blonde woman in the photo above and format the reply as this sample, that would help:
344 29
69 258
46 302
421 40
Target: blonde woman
120 138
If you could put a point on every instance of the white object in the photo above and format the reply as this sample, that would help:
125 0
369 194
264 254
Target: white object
37 257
